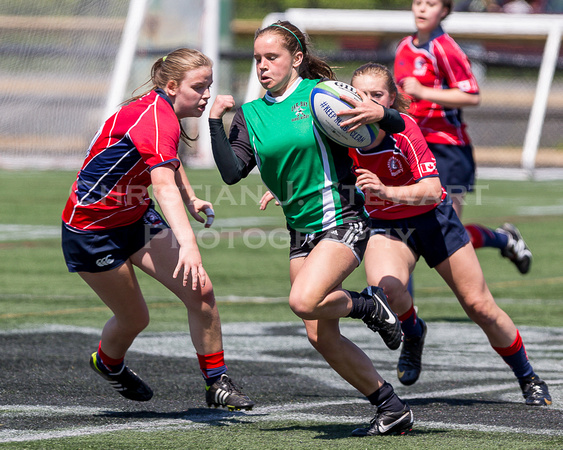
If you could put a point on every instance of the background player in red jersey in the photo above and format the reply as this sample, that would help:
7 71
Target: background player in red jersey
110 226
434 71
411 216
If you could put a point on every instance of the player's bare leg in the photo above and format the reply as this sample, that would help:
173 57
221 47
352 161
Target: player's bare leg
389 262
345 357
464 276
159 260
316 280
119 290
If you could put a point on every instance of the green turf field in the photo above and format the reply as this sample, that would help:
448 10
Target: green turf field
245 255
238 254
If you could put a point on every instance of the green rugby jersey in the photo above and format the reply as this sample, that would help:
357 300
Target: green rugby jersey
309 174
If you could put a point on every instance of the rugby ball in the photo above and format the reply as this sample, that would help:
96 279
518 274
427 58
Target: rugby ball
325 102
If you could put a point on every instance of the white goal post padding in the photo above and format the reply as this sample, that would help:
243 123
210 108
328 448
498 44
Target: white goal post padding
516 26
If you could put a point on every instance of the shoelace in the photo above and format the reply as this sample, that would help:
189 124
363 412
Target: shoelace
517 248
229 386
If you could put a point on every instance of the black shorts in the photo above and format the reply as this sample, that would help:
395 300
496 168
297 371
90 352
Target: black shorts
102 250
456 167
354 235
434 235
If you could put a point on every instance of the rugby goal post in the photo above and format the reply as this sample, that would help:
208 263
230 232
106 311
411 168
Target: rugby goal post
458 24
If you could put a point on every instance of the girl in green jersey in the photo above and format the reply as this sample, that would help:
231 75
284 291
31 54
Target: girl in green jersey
311 178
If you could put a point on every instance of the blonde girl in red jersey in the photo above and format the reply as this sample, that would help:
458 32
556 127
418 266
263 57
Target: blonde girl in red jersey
110 226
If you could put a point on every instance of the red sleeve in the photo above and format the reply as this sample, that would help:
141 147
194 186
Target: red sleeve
421 160
157 135
454 65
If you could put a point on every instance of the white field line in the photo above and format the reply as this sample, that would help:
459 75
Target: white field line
261 299
19 232
273 413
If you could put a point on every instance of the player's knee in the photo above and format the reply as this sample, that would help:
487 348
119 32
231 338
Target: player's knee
483 313
394 289
302 305
203 297
134 325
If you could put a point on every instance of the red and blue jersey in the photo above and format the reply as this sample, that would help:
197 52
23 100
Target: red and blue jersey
111 188
401 159
439 64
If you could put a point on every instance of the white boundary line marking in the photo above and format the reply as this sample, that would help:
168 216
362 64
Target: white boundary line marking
271 413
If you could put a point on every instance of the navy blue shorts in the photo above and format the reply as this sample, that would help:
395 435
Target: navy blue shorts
456 167
102 250
355 235
434 235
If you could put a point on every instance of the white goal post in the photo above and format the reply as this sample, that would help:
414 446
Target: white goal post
458 24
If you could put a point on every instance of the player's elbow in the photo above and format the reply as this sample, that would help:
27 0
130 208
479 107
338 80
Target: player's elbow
475 100
230 179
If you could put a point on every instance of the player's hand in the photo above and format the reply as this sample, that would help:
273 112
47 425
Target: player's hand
267 198
363 113
369 182
412 87
201 206
190 267
221 105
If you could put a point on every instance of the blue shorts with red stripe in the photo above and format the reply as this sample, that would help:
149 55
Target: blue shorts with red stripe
434 235
102 250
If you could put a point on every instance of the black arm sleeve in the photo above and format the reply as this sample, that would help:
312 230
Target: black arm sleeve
231 167
392 122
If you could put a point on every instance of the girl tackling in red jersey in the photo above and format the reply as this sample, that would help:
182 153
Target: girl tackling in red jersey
411 216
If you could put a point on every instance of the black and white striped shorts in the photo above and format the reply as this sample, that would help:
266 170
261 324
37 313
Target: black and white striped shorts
354 235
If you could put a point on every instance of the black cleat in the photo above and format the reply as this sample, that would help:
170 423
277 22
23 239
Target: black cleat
516 251
534 391
386 423
383 320
410 361
224 393
126 382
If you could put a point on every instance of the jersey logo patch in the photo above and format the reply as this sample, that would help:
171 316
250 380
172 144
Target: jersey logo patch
464 86
419 66
394 165
299 110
